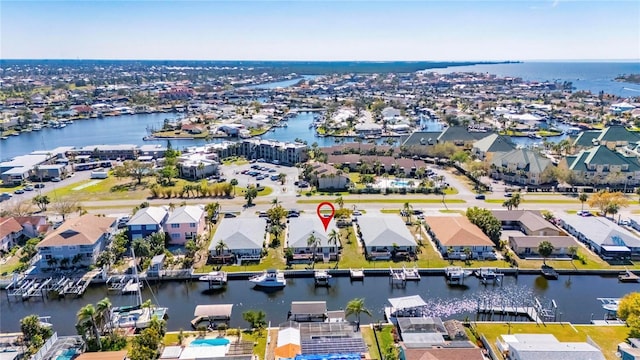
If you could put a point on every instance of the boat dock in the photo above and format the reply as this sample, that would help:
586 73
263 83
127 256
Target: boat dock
321 278
356 274
487 309
411 274
628 276
34 288
397 277
455 275
489 275
28 289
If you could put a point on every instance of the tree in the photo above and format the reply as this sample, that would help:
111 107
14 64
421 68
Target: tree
508 204
583 198
313 241
516 199
87 321
220 247
103 310
282 177
356 307
234 183
65 206
251 194
407 209
487 222
255 318
334 238
629 311
340 202
41 201
545 249
146 345
275 202
134 169
605 200
34 333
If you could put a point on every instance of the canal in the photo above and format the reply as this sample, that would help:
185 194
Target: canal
575 295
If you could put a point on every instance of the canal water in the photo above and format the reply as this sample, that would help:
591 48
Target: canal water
575 295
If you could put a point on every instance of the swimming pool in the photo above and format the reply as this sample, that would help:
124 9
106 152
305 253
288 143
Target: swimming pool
67 354
400 183
210 342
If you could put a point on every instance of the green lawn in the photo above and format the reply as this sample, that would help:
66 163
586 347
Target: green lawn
607 337
12 264
388 201
235 160
535 201
259 339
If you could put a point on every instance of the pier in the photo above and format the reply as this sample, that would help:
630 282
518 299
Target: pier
411 274
356 274
397 277
488 309
321 278
455 275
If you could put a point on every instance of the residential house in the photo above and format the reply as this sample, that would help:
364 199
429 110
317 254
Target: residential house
530 222
185 223
243 239
453 234
33 226
385 236
197 165
600 165
328 177
527 246
545 346
441 354
10 233
520 166
602 235
147 221
77 241
491 144
368 129
299 232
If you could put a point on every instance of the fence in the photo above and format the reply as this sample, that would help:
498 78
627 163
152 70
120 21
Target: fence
47 345
489 349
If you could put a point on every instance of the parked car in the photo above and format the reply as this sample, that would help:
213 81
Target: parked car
229 215
482 197
357 213
584 213
56 179
508 195
39 185
5 196
29 188
19 191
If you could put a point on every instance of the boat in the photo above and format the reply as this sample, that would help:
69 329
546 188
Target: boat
356 274
628 276
456 274
269 279
610 304
548 272
4 137
136 317
411 273
216 279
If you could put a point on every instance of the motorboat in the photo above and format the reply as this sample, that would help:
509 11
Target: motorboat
269 279
549 273
321 277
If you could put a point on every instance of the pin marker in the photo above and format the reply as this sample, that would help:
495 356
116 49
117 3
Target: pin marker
326 219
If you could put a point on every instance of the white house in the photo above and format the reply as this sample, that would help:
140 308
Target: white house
243 238
10 231
545 346
299 232
385 236
78 242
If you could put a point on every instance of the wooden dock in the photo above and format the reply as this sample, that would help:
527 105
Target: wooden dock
528 311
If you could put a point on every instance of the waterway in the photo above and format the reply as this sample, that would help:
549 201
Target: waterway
589 76
575 295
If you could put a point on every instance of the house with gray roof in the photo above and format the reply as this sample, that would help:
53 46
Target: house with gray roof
602 235
545 347
244 239
383 235
147 221
461 136
613 137
520 166
600 165
301 229
491 144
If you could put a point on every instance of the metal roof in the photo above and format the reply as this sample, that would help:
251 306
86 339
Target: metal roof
214 311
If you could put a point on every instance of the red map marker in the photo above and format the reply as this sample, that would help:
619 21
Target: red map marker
326 219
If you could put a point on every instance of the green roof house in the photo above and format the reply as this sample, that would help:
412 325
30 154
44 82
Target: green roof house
603 166
520 166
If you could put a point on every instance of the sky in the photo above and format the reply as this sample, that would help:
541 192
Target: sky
323 30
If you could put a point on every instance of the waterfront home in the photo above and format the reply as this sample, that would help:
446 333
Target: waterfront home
621 107
77 241
288 343
304 311
108 152
18 169
154 151
385 236
307 236
603 236
530 222
421 332
527 246
600 165
10 233
103 355
243 239
520 166
368 129
453 234
147 221
185 223
612 137
328 177
344 343
545 346
491 144
442 353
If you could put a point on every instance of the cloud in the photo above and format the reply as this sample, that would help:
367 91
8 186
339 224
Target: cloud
555 3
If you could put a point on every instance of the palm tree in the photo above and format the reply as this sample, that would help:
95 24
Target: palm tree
275 202
356 307
545 249
334 238
51 262
407 210
251 194
313 241
87 317
516 199
583 198
340 202
234 183
103 308
200 170
220 247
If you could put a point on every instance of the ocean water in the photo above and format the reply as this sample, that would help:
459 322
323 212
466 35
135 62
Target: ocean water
590 76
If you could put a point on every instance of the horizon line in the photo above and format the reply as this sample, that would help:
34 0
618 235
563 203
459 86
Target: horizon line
323 61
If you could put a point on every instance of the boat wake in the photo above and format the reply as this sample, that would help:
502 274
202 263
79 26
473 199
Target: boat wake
631 89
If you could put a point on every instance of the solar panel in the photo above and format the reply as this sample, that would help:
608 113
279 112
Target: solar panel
331 345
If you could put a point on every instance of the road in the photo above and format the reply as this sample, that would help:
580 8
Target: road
288 196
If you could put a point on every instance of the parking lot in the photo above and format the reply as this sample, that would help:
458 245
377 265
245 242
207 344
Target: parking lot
263 174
